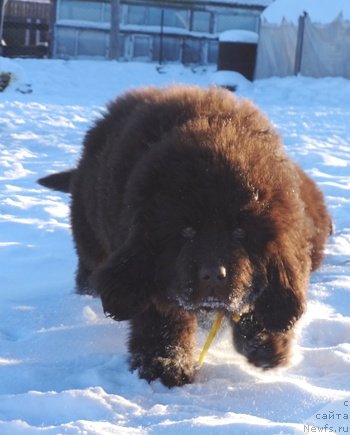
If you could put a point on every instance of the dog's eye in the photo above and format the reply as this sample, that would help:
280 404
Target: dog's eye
188 233
239 233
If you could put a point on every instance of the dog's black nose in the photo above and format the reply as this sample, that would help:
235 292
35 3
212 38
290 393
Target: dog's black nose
212 274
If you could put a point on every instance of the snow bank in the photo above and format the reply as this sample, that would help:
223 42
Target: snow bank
10 66
231 80
18 79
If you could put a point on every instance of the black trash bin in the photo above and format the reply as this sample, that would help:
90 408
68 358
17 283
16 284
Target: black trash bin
237 52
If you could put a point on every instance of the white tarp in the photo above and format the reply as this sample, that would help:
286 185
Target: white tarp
276 50
324 49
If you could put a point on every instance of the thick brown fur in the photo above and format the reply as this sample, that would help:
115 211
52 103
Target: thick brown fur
184 199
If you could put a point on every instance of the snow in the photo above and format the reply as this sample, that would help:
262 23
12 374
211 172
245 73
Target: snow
230 79
320 11
251 3
63 365
239 36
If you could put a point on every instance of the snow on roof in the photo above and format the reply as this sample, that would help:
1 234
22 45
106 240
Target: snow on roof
239 36
246 2
251 3
320 11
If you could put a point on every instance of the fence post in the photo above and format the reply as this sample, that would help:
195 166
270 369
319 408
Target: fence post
114 35
300 43
52 28
161 37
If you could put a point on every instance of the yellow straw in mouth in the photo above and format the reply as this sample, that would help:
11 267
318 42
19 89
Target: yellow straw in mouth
214 330
212 333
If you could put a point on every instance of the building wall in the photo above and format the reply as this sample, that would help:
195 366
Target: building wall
149 31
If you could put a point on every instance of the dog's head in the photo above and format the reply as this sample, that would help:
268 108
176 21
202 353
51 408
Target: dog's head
203 233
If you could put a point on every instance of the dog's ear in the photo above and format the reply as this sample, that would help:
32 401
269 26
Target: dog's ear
60 181
282 302
125 281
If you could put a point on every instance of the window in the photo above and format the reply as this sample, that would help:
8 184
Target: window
172 48
224 22
66 42
192 51
201 21
106 12
136 15
176 18
91 43
142 47
154 16
84 11
212 52
166 49
237 21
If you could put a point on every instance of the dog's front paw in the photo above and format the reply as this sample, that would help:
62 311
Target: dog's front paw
266 351
262 348
172 371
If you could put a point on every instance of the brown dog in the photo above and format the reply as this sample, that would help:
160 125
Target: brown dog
183 200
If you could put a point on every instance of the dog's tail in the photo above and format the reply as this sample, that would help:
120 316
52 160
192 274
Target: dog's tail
59 181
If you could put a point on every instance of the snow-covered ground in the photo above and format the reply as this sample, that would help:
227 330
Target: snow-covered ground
63 365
